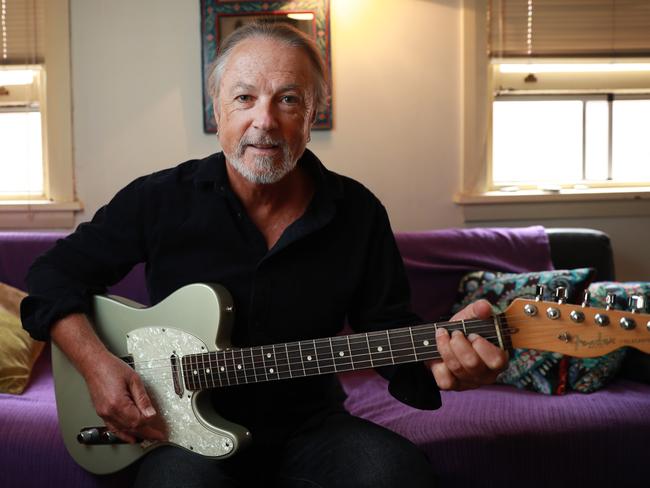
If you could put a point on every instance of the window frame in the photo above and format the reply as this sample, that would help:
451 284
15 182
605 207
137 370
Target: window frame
59 204
476 197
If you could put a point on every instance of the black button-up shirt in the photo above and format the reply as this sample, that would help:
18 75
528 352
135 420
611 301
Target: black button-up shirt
337 262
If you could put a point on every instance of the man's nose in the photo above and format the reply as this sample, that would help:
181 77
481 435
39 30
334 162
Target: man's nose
265 117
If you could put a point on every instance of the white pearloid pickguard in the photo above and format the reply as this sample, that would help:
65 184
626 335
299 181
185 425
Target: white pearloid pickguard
152 349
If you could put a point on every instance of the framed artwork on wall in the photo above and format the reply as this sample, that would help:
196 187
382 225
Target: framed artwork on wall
219 18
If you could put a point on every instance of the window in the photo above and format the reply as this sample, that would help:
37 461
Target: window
560 100
36 168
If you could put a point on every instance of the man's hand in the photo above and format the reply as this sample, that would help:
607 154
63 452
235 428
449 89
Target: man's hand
116 390
120 399
467 362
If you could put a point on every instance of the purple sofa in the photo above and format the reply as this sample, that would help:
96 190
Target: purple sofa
493 436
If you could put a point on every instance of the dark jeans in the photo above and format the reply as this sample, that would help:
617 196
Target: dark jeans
341 451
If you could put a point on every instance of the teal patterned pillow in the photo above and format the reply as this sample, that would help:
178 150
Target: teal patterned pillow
636 365
545 372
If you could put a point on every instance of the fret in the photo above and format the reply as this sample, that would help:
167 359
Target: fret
282 362
214 363
235 367
360 351
243 366
270 366
207 369
187 373
260 363
347 340
324 356
309 357
379 349
341 354
296 365
249 365
200 368
401 345
372 363
424 338
415 353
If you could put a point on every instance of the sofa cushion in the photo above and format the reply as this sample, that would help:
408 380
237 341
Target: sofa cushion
636 365
541 371
18 351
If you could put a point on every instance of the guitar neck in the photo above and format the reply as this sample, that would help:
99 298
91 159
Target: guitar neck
329 355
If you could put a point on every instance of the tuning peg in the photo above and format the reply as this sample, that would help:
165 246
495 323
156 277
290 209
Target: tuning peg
610 300
561 294
585 299
539 293
636 303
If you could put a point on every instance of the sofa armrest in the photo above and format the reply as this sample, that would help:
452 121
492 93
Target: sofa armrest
582 248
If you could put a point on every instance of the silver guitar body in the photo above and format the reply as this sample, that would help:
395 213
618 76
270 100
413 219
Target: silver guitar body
195 319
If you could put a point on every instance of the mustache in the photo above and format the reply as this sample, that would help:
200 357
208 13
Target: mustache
266 140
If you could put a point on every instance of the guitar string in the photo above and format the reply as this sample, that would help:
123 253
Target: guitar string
324 342
232 377
295 365
395 334
233 357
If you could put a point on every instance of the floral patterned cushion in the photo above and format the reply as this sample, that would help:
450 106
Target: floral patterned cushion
545 372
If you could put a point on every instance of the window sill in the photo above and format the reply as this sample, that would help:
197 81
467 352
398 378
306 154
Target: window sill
570 203
37 214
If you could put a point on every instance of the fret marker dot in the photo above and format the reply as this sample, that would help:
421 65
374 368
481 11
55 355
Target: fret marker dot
195 372
239 366
207 371
268 354
271 370
308 358
222 368
426 343
380 348
341 353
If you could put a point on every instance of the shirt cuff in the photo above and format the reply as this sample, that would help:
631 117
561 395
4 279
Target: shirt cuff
38 313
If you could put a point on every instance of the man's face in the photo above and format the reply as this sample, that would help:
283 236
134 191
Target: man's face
265 108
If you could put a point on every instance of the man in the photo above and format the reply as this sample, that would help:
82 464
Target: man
300 248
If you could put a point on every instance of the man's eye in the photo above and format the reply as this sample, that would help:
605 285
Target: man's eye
290 99
243 98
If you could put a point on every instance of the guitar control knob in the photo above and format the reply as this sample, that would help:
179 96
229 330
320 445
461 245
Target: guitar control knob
627 324
610 300
585 299
561 294
601 319
577 316
539 293
636 303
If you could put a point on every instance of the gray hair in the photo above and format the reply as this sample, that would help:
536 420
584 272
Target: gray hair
279 31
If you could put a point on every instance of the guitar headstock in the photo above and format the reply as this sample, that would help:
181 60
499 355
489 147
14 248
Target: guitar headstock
575 330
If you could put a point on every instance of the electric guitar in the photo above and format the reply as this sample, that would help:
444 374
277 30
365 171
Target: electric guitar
180 348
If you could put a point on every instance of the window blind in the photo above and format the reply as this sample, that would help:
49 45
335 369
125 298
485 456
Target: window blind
21 31
568 28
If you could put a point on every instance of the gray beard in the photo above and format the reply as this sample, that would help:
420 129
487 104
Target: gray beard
264 170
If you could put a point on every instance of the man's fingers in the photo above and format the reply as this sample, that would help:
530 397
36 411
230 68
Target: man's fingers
141 398
480 309
493 357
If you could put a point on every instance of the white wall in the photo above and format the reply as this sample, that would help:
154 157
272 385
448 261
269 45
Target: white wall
137 99
136 78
